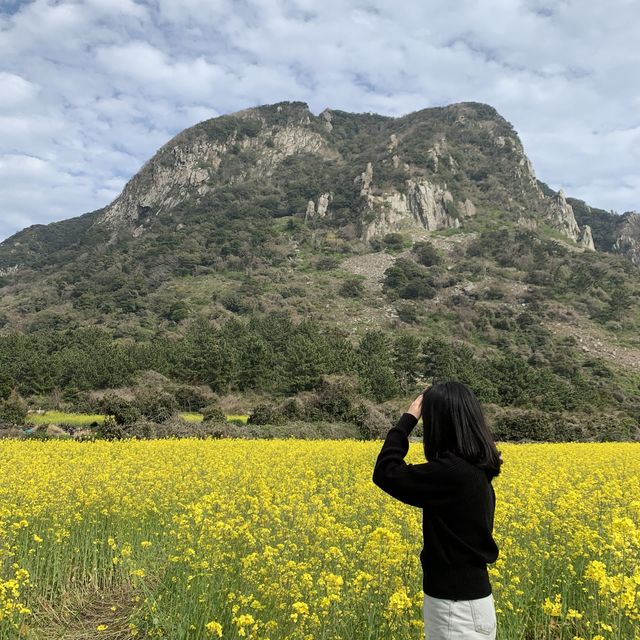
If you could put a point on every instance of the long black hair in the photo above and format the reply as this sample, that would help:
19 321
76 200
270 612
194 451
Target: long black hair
453 421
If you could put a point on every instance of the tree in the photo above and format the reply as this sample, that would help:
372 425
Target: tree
376 370
6 385
406 361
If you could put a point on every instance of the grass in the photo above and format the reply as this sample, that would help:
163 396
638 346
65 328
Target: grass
86 419
60 417
191 417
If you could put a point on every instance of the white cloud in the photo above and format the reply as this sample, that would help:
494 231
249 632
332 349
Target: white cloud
15 90
90 89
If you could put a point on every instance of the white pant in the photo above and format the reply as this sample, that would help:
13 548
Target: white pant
459 619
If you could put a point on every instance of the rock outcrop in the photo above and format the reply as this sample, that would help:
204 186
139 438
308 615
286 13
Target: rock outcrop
628 237
161 181
561 217
326 116
319 210
440 151
586 239
423 204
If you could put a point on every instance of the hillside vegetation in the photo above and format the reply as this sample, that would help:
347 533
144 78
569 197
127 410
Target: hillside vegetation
261 252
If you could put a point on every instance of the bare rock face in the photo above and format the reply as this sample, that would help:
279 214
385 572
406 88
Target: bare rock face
525 169
586 239
311 210
628 238
467 208
440 151
428 205
527 223
188 166
326 116
149 190
322 208
560 215
423 204
9 270
366 177
323 204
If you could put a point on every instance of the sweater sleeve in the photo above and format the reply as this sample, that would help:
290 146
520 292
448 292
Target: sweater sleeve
431 484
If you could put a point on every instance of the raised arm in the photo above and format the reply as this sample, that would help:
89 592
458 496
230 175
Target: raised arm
431 484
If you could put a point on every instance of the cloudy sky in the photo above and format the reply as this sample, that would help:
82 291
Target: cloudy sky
90 89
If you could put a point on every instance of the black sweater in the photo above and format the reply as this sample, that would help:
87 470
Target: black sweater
458 503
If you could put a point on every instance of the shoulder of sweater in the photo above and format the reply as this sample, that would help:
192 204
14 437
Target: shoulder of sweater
454 462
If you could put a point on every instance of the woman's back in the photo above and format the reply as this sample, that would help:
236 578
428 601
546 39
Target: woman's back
458 538
458 504
455 492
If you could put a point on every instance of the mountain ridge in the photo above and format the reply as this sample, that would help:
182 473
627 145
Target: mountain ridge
272 193
191 158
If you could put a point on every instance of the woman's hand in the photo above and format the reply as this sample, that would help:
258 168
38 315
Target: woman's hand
416 406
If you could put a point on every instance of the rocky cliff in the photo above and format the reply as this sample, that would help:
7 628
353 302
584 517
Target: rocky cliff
628 238
362 175
431 177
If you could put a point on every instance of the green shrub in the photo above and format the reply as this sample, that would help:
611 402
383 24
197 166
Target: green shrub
236 303
394 242
407 279
178 428
426 254
157 406
288 292
373 423
559 426
294 408
13 409
266 414
493 293
326 263
334 399
6 385
213 413
177 311
78 401
612 427
524 424
111 429
190 398
322 430
408 313
123 411
417 289
352 287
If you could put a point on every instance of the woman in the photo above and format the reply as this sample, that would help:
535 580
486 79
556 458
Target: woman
457 499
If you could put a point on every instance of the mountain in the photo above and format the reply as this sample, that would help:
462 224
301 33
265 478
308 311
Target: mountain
429 169
274 207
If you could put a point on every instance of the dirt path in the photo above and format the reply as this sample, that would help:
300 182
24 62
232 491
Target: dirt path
78 618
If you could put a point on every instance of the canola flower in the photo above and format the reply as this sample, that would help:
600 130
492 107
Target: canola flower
290 540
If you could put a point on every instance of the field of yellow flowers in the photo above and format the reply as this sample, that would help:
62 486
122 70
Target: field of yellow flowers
285 539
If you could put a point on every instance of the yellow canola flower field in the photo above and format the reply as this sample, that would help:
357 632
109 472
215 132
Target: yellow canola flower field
289 539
